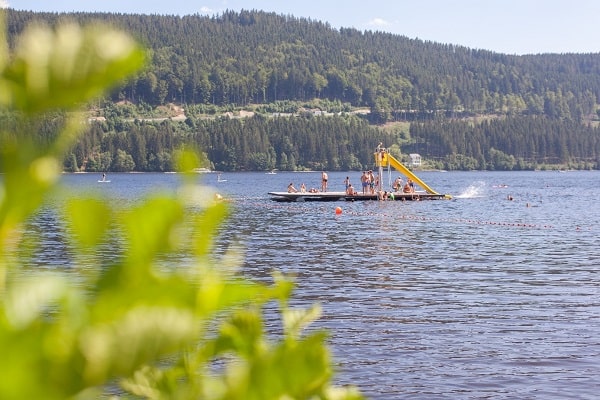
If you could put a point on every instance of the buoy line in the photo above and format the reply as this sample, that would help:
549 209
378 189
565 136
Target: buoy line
466 221
337 212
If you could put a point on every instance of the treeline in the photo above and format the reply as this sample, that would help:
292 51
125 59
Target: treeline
514 143
306 142
225 144
257 57
341 142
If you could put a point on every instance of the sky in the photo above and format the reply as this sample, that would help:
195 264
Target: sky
503 26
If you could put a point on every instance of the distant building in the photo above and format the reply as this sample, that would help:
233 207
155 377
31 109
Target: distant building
415 160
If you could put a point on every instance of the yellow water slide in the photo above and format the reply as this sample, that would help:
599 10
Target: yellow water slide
388 159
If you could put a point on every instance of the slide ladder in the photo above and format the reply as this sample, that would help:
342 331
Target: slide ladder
385 159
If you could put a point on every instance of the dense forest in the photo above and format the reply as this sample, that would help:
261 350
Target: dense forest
465 108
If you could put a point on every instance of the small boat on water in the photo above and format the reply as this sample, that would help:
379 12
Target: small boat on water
201 170
383 159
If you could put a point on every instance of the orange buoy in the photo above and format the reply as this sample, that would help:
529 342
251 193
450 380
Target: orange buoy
338 210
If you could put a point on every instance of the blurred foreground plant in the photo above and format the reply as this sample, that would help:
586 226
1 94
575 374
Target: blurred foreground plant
191 332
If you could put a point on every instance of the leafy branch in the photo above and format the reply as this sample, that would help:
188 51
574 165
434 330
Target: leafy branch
195 331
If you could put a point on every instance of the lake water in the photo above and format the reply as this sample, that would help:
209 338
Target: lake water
476 297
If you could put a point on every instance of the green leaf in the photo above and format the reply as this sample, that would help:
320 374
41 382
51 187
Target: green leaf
89 220
296 320
152 229
206 225
142 334
158 329
30 299
66 67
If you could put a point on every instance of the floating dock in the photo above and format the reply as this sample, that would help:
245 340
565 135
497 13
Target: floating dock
382 159
342 196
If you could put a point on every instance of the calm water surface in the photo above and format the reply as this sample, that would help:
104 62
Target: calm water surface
477 297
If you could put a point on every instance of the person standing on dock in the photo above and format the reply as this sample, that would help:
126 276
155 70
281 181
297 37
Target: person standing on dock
347 182
364 180
324 179
371 182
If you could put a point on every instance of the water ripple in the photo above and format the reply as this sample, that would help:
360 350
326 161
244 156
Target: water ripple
478 297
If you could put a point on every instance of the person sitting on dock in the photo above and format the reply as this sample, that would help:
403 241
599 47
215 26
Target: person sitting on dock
407 188
397 184
350 190
291 188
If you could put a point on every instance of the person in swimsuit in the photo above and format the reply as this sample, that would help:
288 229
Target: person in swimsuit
398 184
324 178
364 179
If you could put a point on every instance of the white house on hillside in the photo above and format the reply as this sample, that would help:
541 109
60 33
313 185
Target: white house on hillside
415 160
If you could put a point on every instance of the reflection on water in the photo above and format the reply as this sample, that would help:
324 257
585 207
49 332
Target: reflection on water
476 297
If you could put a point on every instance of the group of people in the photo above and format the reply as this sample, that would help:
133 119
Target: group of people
324 179
408 187
292 189
369 182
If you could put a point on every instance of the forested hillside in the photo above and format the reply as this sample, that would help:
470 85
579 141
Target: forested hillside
239 58
545 106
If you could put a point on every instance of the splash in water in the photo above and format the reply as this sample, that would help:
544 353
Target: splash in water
475 190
